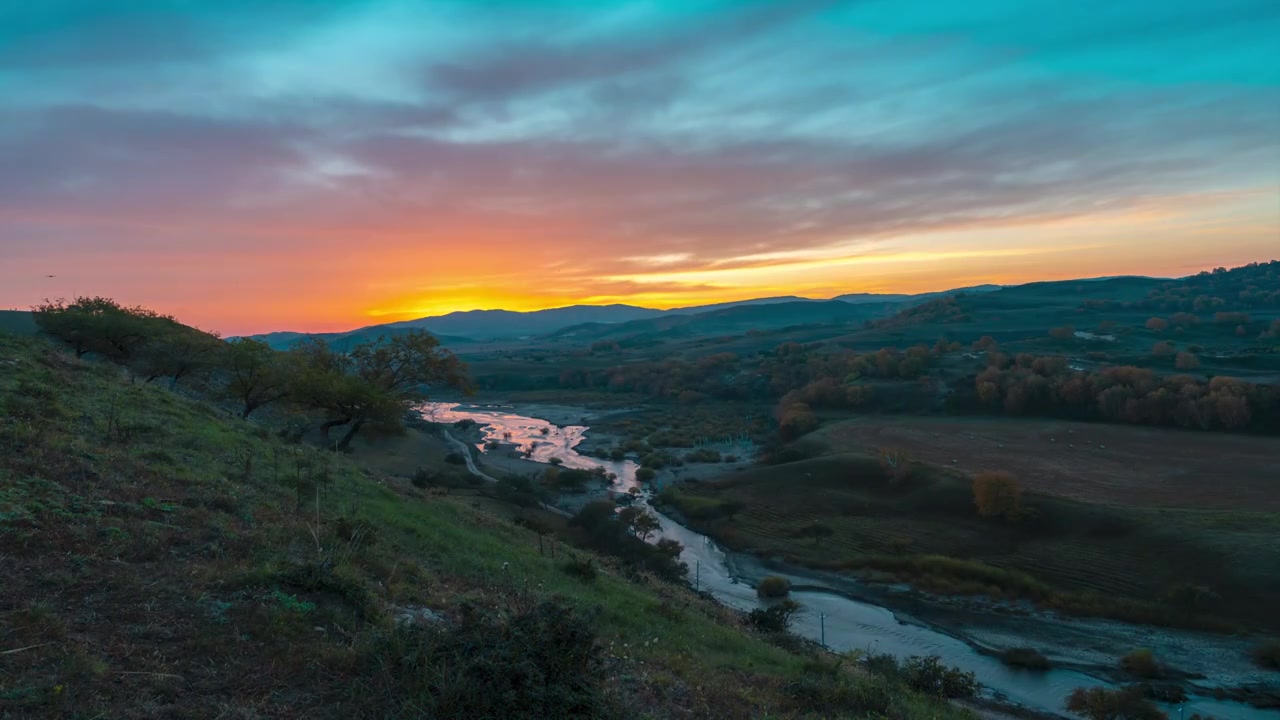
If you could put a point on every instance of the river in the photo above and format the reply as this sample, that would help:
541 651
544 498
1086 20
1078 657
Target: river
841 622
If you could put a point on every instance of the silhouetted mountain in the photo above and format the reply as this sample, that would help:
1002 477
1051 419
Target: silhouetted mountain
858 298
497 324
692 309
607 321
733 320
346 340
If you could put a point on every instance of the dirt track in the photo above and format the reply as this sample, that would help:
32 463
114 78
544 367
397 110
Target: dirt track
1089 461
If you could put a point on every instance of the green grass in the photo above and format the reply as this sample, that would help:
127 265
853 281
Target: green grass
1129 563
162 557
693 506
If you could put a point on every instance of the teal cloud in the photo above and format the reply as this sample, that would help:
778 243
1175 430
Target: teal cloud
704 127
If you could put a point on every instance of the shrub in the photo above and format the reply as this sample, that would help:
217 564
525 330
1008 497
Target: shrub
455 458
773 587
796 420
1103 704
1267 654
704 455
1026 658
423 478
540 662
291 603
645 474
776 618
827 693
997 494
581 568
928 675
896 464
1141 663
883 664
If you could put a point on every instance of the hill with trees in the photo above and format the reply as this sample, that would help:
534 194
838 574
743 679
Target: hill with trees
179 549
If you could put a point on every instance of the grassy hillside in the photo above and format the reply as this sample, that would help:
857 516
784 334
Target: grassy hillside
164 559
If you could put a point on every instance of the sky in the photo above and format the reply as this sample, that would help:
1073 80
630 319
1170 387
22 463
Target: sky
255 165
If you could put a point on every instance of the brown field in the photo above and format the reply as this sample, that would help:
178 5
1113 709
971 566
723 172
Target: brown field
1091 462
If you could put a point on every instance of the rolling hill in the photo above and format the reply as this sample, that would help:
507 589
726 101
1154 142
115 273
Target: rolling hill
732 320
475 325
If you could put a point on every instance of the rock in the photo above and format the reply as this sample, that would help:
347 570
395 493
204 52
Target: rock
417 615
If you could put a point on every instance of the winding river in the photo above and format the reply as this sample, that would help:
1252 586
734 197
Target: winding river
841 622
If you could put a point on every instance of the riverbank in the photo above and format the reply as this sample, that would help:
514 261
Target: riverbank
1087 645
907 622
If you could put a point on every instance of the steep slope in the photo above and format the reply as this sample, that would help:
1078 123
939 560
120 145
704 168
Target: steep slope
163 559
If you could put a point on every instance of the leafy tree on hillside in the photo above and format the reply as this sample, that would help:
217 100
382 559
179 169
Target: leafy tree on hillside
376 382
796 420
997 494
258 375
177 352
640 523
100 325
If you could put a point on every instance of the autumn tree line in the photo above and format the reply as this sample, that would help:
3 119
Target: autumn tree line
374 383
1030 385
803 380
1248 287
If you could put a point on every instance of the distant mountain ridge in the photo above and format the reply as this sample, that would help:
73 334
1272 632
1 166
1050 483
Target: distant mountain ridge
479 325
485 324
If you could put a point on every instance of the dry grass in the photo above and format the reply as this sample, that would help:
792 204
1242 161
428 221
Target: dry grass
1090 462
1085 558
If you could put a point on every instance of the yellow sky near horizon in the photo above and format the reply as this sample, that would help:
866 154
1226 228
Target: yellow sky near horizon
392 274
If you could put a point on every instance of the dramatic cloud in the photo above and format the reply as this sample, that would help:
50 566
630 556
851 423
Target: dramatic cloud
259 165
